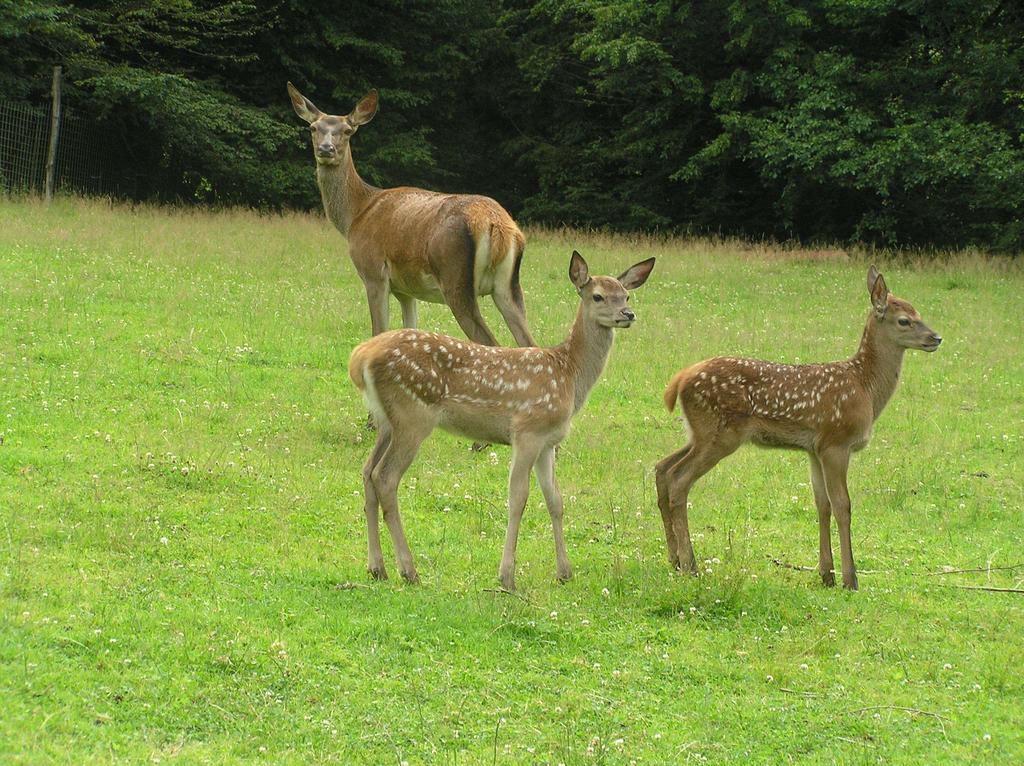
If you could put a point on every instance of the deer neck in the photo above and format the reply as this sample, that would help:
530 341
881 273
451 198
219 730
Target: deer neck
878 362
344 193
585 353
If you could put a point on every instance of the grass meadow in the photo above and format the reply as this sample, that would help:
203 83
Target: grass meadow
182 543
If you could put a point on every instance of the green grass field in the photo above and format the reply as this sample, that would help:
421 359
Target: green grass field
182 547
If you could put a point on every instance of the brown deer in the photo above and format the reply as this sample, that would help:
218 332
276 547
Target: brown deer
415 381
827 410
413 243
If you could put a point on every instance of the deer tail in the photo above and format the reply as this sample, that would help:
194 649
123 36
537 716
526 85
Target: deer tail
675 386
357 365
494 233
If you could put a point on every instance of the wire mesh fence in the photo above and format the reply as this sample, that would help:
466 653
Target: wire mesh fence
83 153
23 135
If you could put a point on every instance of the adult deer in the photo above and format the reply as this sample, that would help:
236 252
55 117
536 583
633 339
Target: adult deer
414 381
827 410
413 243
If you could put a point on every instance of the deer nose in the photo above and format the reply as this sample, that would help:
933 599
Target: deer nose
327 149
936 338
628 314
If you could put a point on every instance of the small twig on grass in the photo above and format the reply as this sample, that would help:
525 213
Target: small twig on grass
810 648
787 565
912 710
228 713
897 707
350 586
797 691
507 593
976 569
74 641
798 568
982 587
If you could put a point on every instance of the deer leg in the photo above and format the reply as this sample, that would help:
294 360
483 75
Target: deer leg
452 255
701 458
524 455
461 299
661 470
545 470
386 475
826 567
680 479
377 292
409 313
375 559
835 463
513 314
515 288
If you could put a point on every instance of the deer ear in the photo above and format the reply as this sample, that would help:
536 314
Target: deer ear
303 106
872 276
636 274
879 291
365 109
579 274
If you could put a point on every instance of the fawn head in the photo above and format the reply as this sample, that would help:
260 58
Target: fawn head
606 299
331 133
897 319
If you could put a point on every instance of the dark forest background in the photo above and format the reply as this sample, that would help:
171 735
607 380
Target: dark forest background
890 122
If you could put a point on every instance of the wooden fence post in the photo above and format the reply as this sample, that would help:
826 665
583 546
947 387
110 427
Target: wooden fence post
51 157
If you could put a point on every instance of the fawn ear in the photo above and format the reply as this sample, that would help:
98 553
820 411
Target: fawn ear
636 274
579 274
303 106
365 109
879 291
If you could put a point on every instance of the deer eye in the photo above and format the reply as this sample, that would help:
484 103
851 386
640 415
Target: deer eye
598 298
903 322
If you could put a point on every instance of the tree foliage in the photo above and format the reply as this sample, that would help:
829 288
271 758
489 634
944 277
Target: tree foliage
895 122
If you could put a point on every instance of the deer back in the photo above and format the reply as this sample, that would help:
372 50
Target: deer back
775 404
479 391
461 240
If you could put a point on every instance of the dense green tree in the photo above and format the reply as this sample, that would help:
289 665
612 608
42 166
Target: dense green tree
154 77
887 121
896 122
192 93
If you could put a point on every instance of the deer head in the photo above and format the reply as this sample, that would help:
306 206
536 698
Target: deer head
897 320
606 299
331 133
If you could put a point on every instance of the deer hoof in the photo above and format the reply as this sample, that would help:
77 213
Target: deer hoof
828 579
564 575
850 583
378 572
411 577
508 581
687 567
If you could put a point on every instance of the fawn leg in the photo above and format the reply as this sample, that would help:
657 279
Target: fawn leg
835 463
524 455
545 470
661 473
375 558
826 567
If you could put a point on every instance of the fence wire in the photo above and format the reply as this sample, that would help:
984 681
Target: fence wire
83 153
